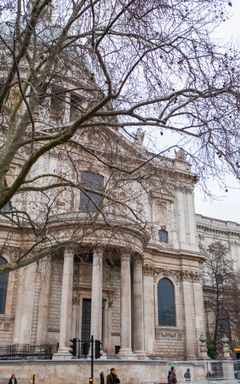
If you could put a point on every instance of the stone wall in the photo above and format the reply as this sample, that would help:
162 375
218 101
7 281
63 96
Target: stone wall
130 372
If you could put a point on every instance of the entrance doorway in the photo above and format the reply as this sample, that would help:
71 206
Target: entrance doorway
86 321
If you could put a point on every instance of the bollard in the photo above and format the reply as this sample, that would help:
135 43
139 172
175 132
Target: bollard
33 378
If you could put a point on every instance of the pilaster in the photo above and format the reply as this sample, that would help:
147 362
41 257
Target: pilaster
149 324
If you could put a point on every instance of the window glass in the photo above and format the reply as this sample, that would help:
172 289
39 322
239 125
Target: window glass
166 303
6 208
224 323
3 287
163 236
58 102
89 201
75 106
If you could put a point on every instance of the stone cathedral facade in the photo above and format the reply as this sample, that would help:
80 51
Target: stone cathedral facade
131 274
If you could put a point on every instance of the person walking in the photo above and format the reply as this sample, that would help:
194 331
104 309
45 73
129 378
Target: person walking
113 378
187 375
13 379
101 380
172 377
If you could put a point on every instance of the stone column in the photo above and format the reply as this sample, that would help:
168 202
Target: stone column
149 314
43 306
189 319
138 327
66 306
96 302
126 322
25 303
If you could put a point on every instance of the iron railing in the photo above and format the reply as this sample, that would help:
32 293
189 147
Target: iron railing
27 352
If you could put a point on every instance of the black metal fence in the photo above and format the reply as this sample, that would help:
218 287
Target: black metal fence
27 352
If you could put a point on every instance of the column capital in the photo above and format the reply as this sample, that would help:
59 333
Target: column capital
98 250
138 261
126 257
68 252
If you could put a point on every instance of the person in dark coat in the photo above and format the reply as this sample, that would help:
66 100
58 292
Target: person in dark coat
102 381
187 375
113 378
12 379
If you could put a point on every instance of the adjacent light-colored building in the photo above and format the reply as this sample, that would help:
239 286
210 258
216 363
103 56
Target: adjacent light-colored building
227 232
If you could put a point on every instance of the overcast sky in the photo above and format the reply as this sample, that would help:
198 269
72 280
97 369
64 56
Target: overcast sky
226 205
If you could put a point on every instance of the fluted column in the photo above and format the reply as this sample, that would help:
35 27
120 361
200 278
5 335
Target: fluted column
96 303
149 316
138 326
126 335
66 305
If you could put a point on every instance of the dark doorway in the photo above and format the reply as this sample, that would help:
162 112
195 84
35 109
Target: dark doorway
86 321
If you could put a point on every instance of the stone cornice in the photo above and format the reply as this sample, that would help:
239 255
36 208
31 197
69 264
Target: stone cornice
210 225
177 253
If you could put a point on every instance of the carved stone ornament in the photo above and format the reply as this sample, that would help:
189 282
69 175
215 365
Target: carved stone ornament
5 324
171 273
226 347
149 270
191 276
181 155
203 345
174 334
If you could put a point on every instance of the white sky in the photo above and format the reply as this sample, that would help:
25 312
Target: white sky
226 205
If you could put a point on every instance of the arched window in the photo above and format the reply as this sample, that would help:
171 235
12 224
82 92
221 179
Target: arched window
3 287
166 303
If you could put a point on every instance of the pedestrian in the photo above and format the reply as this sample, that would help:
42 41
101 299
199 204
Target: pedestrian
12 379
101 381
172 377
209 375
187 375
113 378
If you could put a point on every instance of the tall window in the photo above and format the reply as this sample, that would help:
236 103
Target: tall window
224 323
166 303
58 102
163 235
89 201
75 106
3 287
